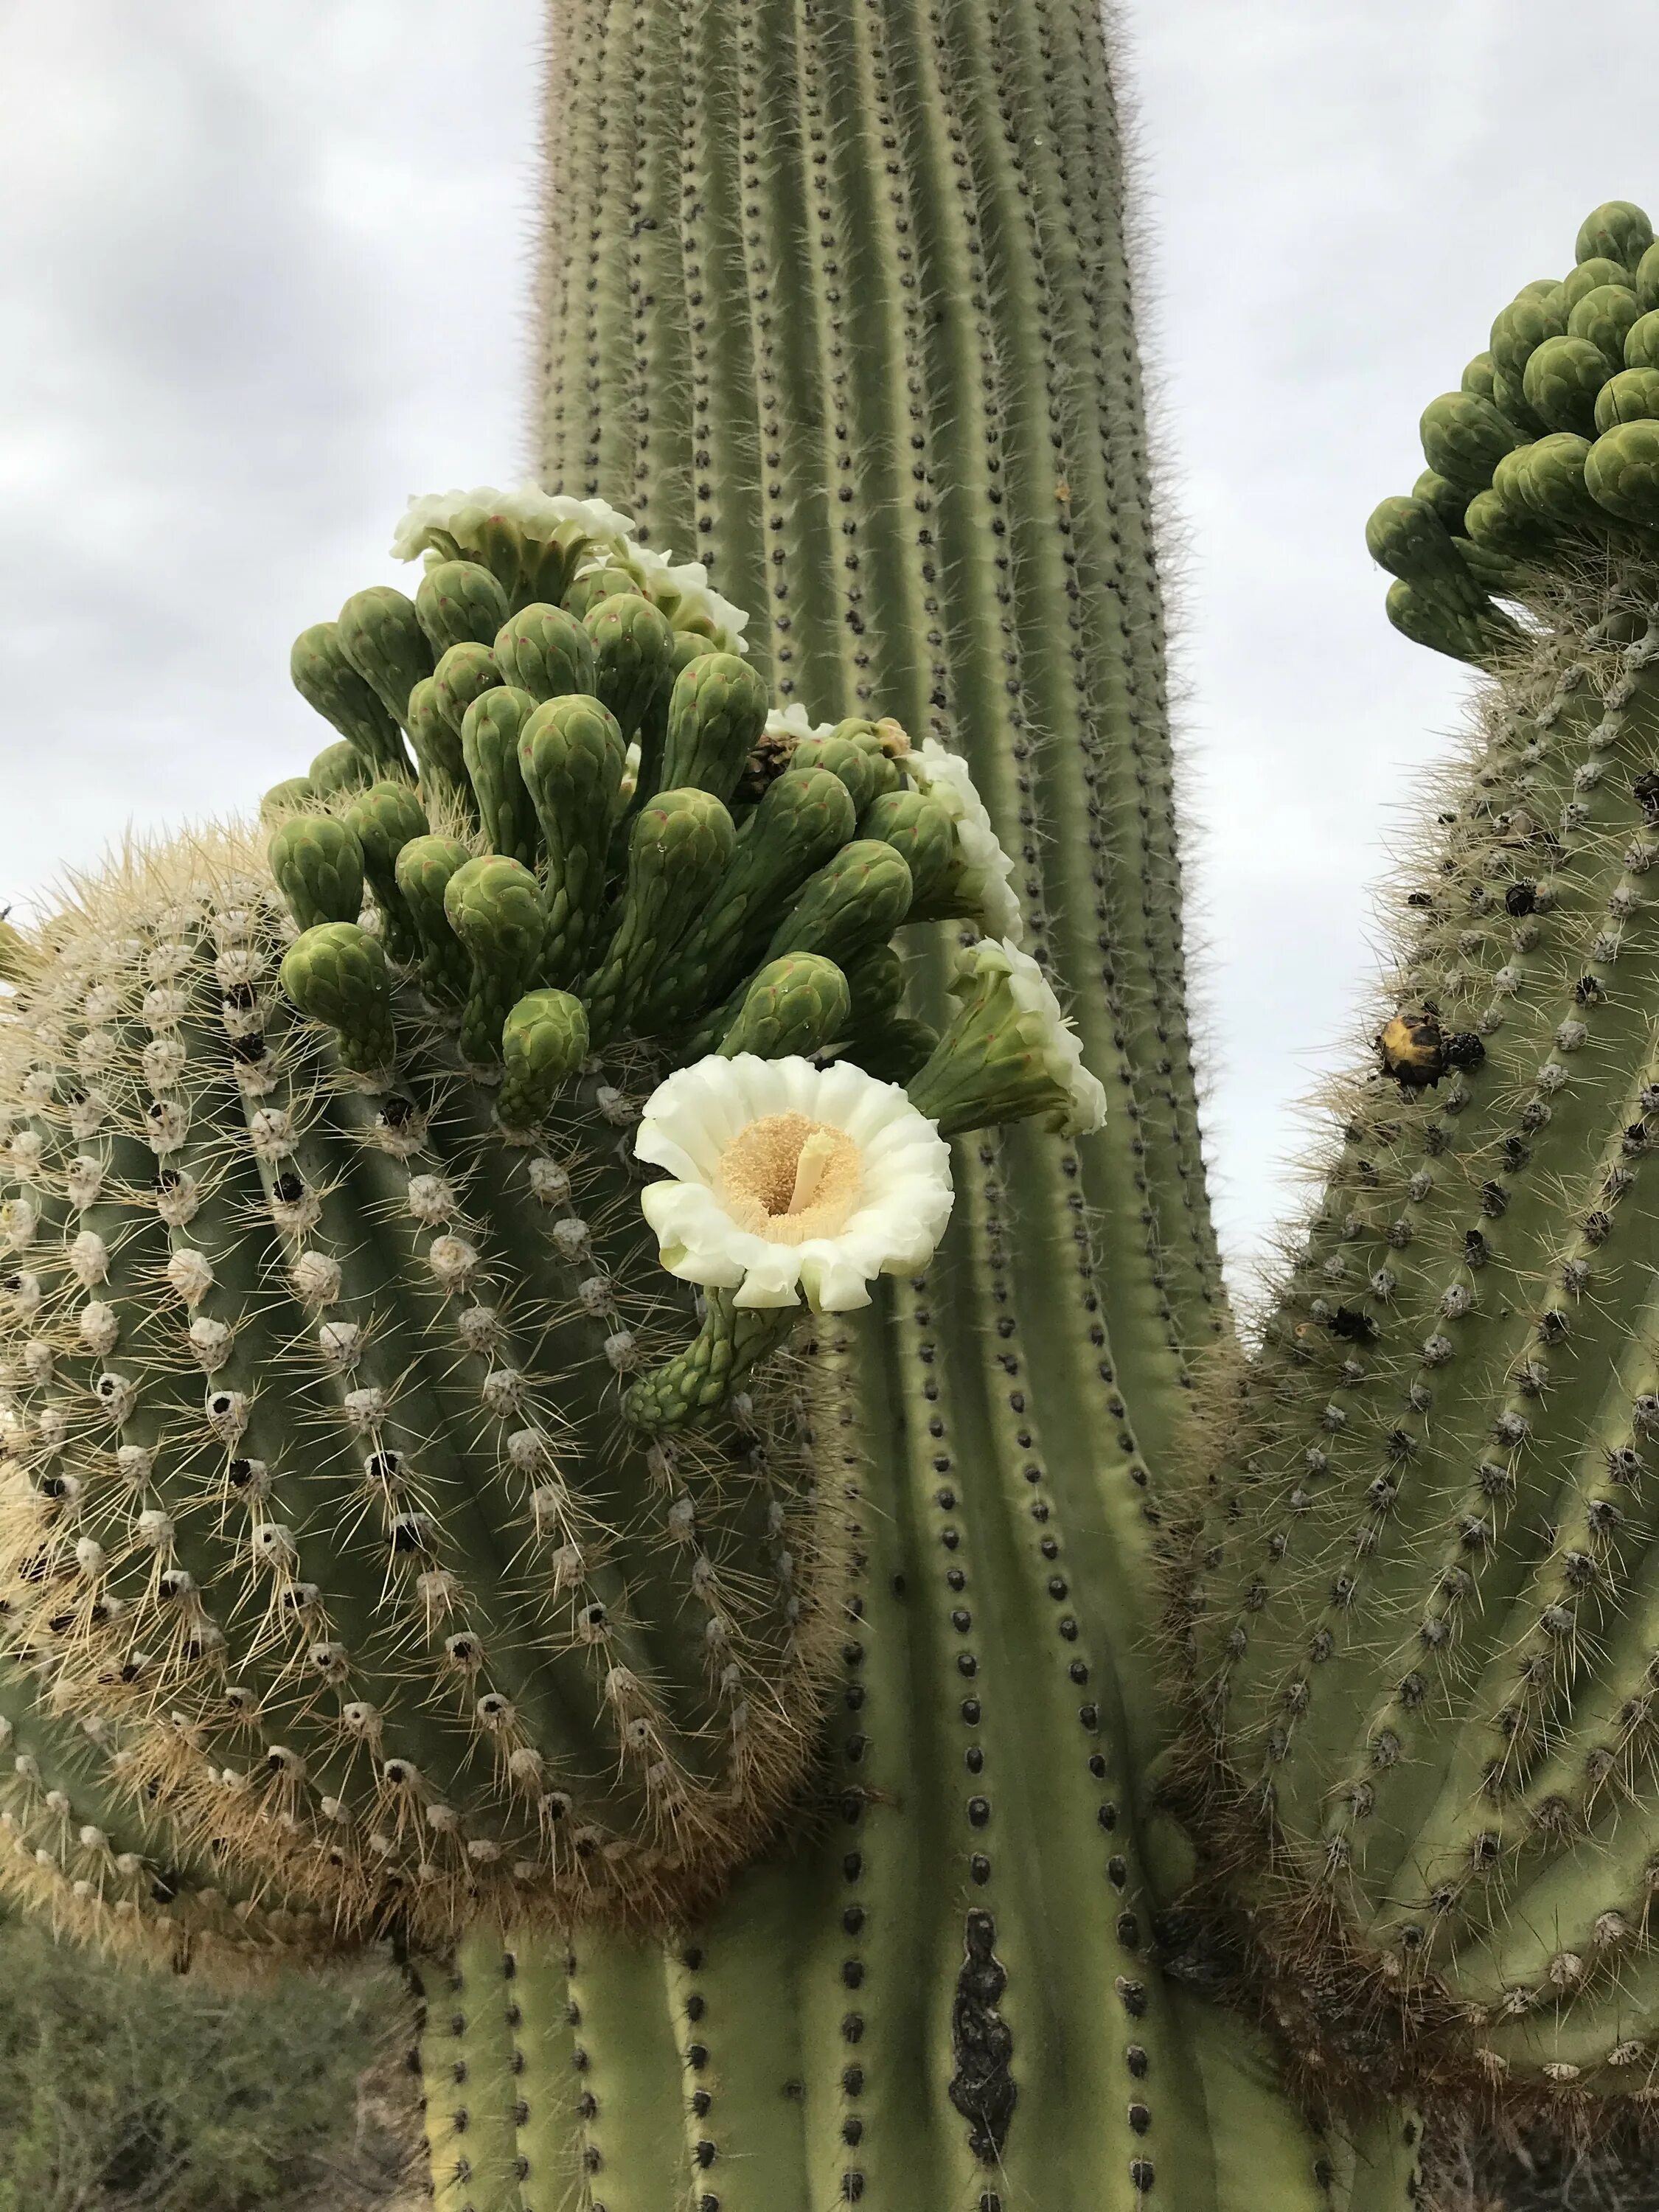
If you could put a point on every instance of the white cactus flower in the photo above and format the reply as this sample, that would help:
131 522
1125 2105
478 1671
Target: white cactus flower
788 1178
536 514
1059 1043
682 591
794 722
986 869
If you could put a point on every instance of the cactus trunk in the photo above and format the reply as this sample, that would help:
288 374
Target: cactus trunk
838 300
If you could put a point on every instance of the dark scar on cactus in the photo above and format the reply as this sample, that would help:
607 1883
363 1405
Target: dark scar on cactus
982 2089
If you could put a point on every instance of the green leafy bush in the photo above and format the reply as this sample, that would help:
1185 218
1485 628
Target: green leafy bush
123 2090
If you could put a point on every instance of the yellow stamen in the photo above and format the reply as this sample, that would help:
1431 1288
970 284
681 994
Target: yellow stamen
788 1179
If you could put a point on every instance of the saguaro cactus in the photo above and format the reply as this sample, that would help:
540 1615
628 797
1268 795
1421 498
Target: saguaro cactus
431 1511
1424 1613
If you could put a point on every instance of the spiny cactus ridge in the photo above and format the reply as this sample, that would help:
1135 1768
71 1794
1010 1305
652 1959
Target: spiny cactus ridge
392 1533
1422 1618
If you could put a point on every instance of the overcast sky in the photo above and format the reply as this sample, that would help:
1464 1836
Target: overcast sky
262 273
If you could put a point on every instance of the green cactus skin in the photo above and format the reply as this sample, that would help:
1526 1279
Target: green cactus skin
1421 1618
902 310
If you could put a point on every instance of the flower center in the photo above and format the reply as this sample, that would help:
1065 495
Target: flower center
788 1178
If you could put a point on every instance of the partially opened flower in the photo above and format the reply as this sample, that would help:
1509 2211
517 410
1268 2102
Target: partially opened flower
788 1178
983 887
793 721
682 591
1011 1055
447 523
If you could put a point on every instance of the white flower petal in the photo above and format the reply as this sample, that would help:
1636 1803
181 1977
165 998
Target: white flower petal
987 868
903 1191
537 514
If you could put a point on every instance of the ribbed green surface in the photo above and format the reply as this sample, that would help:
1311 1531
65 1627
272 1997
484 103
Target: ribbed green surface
838 319
846 313
1426 1633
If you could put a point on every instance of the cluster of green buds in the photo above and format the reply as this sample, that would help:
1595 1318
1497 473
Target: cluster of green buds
418 1214
1548 449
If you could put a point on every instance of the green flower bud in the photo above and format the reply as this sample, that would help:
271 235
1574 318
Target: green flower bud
571 756
381 635
1586 278
1617 231
917 827
1647 280
633 652
494 905
1493 572
546 651
855 901
1520 329
1009 1054
1464 439
337 974
801 818
444 781
716 712
1605 317
459 603
1642 342
1552 480
489 746
1477 376
1632 395
530 561
1509 397
465 673
680 847
1447 500
384 819
325 679
543 1044
884 744
857 768
700 1380
1622 473
338 767
298 791
424 868
1562 379
1407 537
876 981
798 1005
1417 613
690 645
319 867
1491 521
588 592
